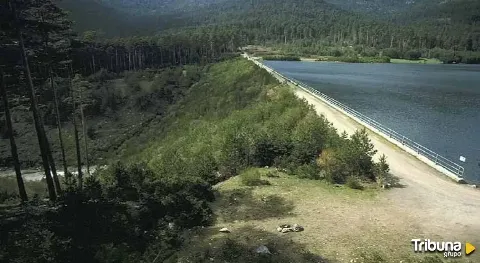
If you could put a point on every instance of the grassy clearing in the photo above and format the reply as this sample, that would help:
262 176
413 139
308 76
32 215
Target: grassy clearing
9 190
419 61
341 224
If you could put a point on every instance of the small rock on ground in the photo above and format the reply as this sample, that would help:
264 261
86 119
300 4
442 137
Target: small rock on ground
224 230
297 228
262 250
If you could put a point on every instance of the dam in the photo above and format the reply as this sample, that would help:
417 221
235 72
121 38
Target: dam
446 161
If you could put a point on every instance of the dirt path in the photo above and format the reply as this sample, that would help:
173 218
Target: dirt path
439 207
38 175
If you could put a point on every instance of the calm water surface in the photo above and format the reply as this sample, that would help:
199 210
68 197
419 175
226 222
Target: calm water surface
437 106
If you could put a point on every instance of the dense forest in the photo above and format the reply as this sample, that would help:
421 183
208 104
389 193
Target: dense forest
448 31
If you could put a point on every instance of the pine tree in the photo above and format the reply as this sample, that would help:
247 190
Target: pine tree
13 145
20 23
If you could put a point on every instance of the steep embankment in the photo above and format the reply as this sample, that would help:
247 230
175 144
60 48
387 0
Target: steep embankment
118 110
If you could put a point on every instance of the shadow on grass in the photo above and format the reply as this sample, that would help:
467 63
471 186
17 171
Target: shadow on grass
240 246
241 204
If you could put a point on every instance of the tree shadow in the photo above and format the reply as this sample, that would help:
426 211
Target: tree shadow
241 204
241 246
394 181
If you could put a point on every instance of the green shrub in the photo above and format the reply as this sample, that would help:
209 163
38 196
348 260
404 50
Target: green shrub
101 76
281 58
8 197
413 54
471 58
272 174
332 168
353 183
382 59
336 53
350 59
252 177
310 171
357 155
392 53
381 170
369 52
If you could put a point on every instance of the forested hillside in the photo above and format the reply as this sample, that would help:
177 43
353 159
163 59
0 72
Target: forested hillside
446 31
378 8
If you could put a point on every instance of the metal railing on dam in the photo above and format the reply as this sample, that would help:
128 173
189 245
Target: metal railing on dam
419 149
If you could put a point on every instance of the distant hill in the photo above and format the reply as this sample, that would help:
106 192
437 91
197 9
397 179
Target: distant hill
379 8
401 24
156 7
93 15
411 11
451 11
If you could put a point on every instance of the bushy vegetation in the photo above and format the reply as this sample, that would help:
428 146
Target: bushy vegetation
252 178
361 54
281 58
356 59
353 183
228 124
118 218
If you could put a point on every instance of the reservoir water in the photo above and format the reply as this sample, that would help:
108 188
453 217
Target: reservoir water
437 106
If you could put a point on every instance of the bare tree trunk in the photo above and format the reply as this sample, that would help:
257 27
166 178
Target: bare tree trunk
53 168
77 141
59 126
13 145
116 60
129 60
93 64
75 129
84 130
124 62
36 117
77 147
134 60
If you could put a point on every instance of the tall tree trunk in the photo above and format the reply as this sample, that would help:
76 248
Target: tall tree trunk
129 60
36 117
13 145
59 126
77 143
93 64
84 130
124 62
77 147
134 60
53 168
116 60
